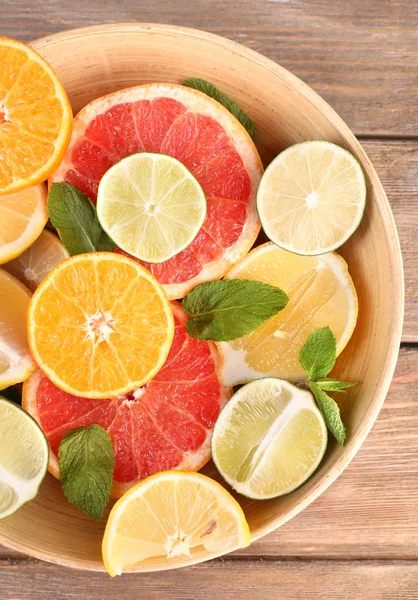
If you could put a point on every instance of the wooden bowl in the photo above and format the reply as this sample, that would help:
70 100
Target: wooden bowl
97 60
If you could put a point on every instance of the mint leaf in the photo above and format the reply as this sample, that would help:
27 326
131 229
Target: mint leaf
317 357
334 385
210 90
74 216
226 310
331 413
319 353
86 463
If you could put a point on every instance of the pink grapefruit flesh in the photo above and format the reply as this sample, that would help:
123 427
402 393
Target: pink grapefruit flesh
166 424
206 138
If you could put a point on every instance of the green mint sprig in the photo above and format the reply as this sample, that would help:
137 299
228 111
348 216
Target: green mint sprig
74 216
210 90
317 358
86 462
226 310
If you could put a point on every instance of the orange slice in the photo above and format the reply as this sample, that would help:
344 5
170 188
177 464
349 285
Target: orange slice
23 215
35 118
100 325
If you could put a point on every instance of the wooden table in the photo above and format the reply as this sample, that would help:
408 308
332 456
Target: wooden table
359 540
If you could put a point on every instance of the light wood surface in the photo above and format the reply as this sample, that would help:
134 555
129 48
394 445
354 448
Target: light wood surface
227 579
360 55
362 58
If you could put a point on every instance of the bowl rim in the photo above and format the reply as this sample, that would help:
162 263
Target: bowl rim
389 227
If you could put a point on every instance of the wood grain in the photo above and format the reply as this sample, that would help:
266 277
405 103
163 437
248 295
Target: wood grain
396 163
223 580
361 56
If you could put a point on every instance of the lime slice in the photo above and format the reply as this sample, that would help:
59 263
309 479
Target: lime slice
311 198
24 456
269 439
151 206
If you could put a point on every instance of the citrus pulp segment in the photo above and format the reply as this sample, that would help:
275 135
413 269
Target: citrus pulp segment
38 260
100 325
171 514
166 424
35 118
151 206
269 439
201 134
321 292
23 215
311 198
16 363
23 457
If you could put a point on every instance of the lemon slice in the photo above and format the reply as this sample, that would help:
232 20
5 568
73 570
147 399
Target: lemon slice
151 206
37 261
311 198
172 514
24 456
321 292
16 363
269 439
23 215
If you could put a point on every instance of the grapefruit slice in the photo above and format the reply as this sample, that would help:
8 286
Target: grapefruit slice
200 133
166 424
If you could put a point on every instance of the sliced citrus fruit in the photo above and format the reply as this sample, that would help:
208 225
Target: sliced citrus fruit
269 439
23 215
16 363
151 206
100 325
206 138
166 424
311 198
24 456
321 292
172 514
35 118
38 260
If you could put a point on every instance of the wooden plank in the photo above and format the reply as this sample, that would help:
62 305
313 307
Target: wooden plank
370 511
396 163
360 56
223 580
